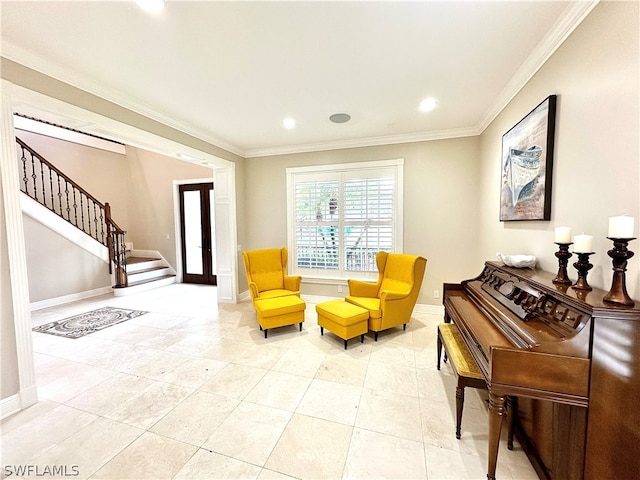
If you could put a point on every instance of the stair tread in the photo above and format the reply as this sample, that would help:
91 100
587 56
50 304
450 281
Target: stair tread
147 270
131 260
150 280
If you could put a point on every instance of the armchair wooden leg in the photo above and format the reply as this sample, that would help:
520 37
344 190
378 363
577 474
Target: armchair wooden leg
404 327
345 344
260 327
265 332
362 338
321 330
375 336
300 326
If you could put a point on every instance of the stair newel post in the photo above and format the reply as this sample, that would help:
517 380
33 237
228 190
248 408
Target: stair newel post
107 220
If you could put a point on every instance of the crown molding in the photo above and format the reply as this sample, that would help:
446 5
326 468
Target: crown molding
573 16
365 142
82 82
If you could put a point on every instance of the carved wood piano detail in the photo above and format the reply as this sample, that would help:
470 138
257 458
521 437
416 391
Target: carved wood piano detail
550 347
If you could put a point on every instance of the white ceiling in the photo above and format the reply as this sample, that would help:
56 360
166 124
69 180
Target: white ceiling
229 72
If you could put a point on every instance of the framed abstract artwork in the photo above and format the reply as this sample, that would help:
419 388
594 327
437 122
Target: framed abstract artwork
527 165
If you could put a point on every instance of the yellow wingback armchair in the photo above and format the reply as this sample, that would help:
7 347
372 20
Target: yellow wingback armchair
267 274
391 299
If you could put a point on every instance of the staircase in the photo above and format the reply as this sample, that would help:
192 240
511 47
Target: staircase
133 271
144 273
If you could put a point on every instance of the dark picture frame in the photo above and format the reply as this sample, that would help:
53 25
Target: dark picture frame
527 165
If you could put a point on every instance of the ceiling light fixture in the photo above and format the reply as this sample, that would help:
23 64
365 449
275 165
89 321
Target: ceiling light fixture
289 123
340 117
151 6
428 104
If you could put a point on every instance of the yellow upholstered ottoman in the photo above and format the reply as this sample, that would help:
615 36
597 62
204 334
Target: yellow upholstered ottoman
343 319
279 312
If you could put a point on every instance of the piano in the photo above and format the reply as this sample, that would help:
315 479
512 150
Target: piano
566 359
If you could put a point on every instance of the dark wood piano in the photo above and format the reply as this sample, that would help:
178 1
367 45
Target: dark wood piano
569 361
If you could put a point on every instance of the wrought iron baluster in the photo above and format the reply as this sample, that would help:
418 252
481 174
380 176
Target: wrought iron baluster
34 177
66 191
102 226
59 197
75 206
95 221
25 178
82 212
44 193
53 204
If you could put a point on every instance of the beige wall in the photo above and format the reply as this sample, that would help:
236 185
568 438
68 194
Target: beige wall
596 167
440 204
151 199
57 267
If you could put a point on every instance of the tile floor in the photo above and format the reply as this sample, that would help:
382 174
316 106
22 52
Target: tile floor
193 390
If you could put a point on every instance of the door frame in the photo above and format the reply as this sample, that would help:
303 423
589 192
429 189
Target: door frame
207 214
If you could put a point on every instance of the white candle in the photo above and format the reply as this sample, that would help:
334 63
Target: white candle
583 244
621 227
563 235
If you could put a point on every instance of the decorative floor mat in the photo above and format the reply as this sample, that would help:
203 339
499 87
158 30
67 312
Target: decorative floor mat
86 323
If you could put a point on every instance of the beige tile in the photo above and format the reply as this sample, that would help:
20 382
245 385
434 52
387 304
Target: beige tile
453 465
110 395
375 455
390 413
249 433
196 418
194 372
224 350
127 332
71 379
299 362
260 356
150 405
91 447
394 354
343 369
151 456
24 416
392 378
157 365
210 465
332 401
42 432
266 474
311 448
234 381
279 390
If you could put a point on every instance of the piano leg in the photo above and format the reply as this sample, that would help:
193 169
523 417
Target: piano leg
496 415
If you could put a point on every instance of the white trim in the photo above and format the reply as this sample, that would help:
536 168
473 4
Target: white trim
17 257
9 406
365 142
176 218
59 225
567 23
52 302
244 296
34 126
13 404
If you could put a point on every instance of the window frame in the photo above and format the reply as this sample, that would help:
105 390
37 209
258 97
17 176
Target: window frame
339 169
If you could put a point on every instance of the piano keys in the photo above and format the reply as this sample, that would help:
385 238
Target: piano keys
545 346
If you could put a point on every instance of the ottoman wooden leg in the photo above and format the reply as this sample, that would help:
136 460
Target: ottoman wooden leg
345 344
321 330
362 338
300 326
265 332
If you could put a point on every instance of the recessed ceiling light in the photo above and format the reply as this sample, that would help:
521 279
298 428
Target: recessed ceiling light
184 156
340 117
428 104
289 123
151 6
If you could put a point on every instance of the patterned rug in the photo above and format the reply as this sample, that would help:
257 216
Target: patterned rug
86 323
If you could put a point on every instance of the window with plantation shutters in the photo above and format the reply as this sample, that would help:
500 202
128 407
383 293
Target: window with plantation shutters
341 216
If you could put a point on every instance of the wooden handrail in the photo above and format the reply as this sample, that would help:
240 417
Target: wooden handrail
113 237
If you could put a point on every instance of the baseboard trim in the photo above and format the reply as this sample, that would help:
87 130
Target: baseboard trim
17 402
52 302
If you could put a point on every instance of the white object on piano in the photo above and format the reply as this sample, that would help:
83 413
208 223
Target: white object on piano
518 261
